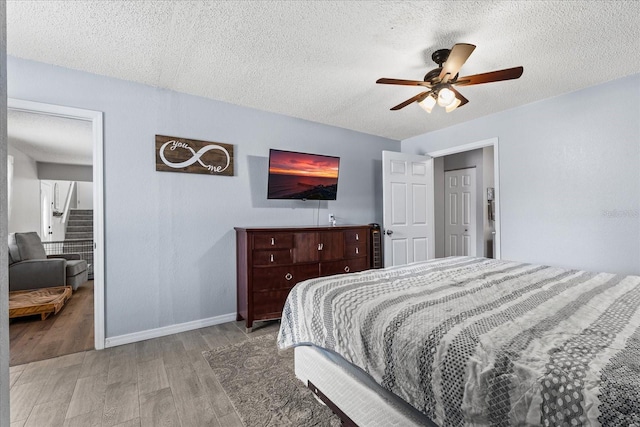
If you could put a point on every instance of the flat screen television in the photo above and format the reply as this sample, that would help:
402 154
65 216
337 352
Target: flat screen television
302 176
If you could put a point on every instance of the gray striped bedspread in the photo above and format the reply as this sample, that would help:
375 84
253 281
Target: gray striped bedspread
478 342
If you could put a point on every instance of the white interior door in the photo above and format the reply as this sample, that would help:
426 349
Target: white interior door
407 191
460 212
46 207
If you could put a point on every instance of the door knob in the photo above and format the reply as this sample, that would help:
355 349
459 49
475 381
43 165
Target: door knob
388 232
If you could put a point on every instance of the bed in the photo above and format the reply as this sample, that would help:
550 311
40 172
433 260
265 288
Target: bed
471 341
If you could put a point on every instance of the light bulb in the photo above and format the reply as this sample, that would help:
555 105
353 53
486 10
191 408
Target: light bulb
449 108
428 103
445 97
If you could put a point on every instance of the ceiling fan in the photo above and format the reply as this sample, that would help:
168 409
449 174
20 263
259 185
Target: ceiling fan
439 82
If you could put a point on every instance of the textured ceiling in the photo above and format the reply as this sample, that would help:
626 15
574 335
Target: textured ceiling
319 60
51 139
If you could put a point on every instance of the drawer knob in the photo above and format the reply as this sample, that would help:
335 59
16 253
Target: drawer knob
357 237
288 276
271 257
357 250
346 269
273 241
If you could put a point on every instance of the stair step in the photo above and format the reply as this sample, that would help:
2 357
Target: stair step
80 223
81 212
78 236
80 217
79 229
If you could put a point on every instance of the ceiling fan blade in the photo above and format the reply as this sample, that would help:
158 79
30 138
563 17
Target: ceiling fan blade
419 96
461 97
492 76
403 82
457 57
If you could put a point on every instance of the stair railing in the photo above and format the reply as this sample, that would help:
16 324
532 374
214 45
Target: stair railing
67 204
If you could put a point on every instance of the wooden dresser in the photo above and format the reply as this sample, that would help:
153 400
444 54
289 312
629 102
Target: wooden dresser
270 261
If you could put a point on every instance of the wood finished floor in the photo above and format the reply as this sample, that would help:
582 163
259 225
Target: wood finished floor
159 382
69 331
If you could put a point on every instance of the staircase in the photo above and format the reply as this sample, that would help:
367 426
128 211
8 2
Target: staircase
79 224
79 236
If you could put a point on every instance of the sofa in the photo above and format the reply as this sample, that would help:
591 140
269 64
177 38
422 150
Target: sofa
31 268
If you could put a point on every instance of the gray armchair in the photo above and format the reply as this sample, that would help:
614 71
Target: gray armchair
31 268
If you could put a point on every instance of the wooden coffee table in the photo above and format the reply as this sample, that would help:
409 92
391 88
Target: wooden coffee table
38 301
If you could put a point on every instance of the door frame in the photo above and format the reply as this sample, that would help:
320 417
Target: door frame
46 237
96 118
496 178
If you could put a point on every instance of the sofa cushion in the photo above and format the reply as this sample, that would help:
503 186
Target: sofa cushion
30 246
76 267
14 253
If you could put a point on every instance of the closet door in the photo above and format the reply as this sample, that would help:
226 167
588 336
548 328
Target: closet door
460 212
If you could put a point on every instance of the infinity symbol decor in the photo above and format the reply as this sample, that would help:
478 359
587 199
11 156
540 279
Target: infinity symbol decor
192 156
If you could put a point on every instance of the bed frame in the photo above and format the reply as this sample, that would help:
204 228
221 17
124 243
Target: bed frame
351 393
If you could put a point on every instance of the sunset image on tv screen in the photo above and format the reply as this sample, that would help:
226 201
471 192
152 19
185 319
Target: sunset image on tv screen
302 176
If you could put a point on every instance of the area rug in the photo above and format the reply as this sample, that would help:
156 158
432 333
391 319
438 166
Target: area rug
262 386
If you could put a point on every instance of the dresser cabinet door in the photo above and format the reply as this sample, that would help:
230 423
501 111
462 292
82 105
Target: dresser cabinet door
331 245
306 247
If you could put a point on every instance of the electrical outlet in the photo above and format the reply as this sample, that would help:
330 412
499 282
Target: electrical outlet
331 218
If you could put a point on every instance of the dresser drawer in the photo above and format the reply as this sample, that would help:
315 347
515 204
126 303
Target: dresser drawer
269 302
358 235
343 266
273 241
355 250
273 257
267 278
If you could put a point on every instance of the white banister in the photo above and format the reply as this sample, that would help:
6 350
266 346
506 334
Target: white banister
67 203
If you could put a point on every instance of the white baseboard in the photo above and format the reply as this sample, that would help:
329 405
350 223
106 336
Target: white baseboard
168 330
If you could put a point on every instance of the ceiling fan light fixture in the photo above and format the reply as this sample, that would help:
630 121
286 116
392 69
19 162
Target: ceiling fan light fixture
446 97
449 108
428 103
440 82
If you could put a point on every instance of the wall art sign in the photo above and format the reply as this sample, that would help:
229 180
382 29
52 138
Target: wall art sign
175 154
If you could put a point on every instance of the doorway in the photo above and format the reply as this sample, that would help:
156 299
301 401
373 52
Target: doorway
414 208
95 119
484 156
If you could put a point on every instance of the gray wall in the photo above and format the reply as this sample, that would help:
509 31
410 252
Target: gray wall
569 176
25 195
4 282
170 243
61 172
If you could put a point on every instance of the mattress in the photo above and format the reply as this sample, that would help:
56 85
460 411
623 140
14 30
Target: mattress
473 341
359 397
